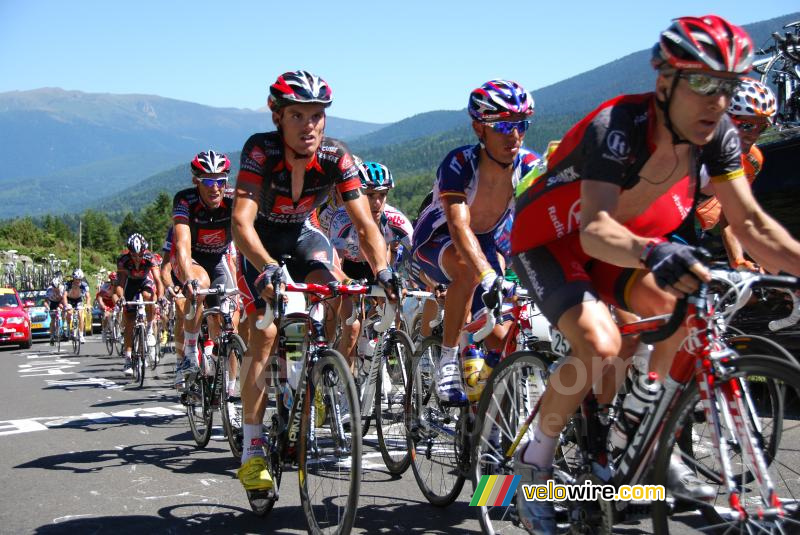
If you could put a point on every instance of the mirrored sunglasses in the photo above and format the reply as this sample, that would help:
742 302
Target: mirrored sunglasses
749 126
707 85
211 182
505 127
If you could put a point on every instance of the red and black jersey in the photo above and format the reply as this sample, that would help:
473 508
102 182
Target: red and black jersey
612 144
210 228
264 164
136 271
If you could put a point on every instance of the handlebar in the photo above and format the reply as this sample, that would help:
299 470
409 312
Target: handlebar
219 289
322 291
493 314
741 282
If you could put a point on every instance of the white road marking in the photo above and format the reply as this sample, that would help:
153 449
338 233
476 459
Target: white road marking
43 423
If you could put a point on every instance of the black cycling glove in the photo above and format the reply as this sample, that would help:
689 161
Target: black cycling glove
272 274
386 278
669 261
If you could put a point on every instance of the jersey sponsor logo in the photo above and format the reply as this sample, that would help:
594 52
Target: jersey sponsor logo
211 237
564 177
457 163
258 155
617 143
730 141
321 256
284 205
396 220
557 224
574 217
328 148
346 162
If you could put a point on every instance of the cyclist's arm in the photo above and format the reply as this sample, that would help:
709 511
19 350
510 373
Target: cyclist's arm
245 210
166 274
456 211
182 243
155 273
605 238
370 239
763 237
122 279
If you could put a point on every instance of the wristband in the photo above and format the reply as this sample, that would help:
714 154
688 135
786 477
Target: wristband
486 272
649 249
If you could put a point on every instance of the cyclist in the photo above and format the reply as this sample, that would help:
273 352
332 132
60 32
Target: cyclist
376 181
589 232
77 294
284 176
173 292
56 298
105 298
137 273
753 108
200 251
455 236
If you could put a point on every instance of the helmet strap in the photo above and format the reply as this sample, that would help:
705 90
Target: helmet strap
664 106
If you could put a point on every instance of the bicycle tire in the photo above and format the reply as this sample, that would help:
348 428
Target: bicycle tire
761 369
390 421
108 334
199 411
135 356
328 462
502 410
432 429
231 423
76 334
140 352
58 335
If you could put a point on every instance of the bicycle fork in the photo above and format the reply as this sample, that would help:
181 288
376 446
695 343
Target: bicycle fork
734 405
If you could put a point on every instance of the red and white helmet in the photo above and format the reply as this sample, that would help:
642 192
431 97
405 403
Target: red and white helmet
210 163
708 43
499 99
753 99
299 87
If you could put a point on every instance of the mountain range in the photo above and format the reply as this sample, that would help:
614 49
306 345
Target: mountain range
77 150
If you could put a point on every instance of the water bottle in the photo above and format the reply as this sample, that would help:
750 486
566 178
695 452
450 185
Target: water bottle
642 395
209 364
287 396
473 363
641 358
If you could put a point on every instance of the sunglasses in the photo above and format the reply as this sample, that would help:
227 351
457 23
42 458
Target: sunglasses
706 85
748 126
506 127
211 182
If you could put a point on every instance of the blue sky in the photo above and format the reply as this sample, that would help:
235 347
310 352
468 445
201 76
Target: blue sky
384 60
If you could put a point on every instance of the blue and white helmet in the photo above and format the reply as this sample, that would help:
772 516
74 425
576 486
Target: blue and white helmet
375 176
497 100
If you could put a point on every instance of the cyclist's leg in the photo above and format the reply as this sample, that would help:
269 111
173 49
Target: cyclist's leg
191 328
254 381
350 333
564 292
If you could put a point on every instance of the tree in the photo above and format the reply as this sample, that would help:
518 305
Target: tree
157 218
128 226
98 233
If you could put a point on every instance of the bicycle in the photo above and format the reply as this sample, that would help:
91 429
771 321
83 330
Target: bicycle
139 354
439 435
207 391
782 71
75 329
311 431
56 325
706 407
111 330
382 364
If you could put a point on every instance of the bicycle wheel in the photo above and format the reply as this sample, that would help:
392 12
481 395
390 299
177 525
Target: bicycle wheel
199 411
58 335
770 398
119 339
231 408
157 348
390 390
759 417
139 355
329 456
108 336
76 334
510 395
433 435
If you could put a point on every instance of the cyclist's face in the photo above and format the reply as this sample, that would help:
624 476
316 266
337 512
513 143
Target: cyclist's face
695 116
302 126
749 129
211 195
377 201
503 147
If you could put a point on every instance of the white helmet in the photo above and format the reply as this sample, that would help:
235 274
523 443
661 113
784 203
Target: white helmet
77 274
